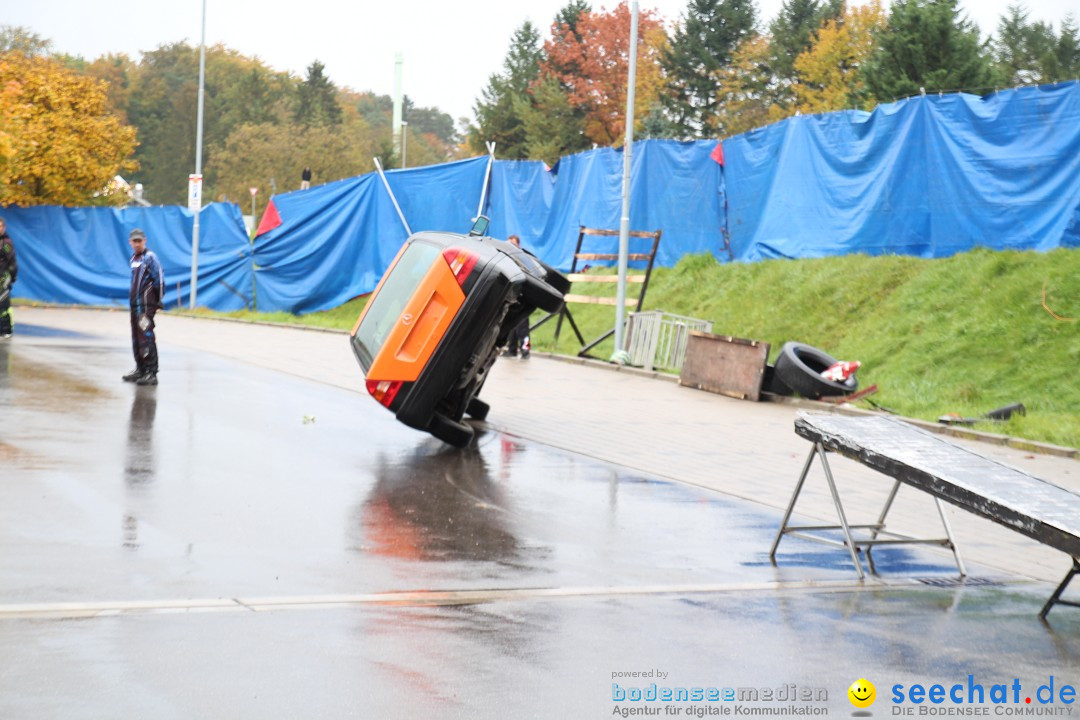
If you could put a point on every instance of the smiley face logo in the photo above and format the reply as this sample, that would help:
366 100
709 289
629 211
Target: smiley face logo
862 693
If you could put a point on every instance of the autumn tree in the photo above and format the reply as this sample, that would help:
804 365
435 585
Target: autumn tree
792 31
270 156
704 42
164 106
118 73
830 72
58 143
599 49
748 90
927 45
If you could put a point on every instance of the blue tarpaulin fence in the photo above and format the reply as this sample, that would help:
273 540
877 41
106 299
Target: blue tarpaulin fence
928 176
80 255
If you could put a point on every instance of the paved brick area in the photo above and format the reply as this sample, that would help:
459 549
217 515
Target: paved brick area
738 448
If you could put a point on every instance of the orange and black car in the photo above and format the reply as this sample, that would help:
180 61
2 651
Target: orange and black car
432 329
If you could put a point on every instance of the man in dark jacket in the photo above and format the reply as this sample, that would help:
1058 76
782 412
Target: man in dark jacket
147 293
9 269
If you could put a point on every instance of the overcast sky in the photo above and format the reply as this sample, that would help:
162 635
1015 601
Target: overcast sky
449 48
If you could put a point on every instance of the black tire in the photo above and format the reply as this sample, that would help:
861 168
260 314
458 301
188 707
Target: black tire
555 278
799 366
478 409
450 432
539 294
772 384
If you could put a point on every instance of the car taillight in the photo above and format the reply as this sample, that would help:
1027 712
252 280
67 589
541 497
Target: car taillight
384 391
461 262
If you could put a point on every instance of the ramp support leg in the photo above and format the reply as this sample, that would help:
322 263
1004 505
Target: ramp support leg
819 450
1055 599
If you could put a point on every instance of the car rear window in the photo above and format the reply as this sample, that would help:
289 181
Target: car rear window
388 303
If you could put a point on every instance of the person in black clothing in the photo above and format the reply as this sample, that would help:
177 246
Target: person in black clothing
147 293
519 336
9 270
305 179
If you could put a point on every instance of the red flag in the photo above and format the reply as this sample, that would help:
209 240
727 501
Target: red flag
270 219
718 153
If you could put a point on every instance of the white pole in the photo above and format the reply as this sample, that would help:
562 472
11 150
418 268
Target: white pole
619 355
404 141
378 166
487 178
395 121
198 164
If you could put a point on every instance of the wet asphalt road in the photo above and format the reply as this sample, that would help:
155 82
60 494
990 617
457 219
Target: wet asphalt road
239 542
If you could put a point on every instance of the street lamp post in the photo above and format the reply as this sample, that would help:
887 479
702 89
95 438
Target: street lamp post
198 167
620 356
404 141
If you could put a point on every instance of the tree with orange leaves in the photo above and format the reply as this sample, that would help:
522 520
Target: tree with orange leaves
831 71
59 143
591 62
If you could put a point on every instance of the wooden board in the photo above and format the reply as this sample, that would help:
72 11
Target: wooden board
726 365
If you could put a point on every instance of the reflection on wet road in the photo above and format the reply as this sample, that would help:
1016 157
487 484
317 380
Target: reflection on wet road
292 551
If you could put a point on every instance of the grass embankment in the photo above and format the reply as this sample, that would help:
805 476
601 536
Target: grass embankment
964 334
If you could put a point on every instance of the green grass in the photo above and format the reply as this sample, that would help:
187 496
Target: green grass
343 317
964 334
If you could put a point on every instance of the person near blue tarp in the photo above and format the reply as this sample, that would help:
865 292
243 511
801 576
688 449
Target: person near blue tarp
9 270
147 293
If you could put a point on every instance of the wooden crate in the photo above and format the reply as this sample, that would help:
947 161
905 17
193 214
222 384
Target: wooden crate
723 364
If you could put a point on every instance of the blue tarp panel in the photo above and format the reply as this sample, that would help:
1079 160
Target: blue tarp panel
928 176
335 240
674 187
519 199
80 255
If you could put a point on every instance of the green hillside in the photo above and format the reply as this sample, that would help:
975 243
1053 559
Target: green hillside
964 334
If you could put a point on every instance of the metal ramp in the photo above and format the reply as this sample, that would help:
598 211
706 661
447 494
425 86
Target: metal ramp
917 458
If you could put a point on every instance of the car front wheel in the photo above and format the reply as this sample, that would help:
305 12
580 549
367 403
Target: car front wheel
450 432
478 409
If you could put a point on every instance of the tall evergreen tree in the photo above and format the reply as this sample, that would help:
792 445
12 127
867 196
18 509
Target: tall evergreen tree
1030 52
703 43
570 14
927 46
317 103
498 112
1064 60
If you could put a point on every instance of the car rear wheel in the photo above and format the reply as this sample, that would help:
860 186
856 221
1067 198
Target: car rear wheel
555 278
478 409
541 295
450 432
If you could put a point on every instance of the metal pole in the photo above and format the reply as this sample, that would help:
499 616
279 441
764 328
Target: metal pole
620 355
404 141
198 164
378 166
487 178
395 122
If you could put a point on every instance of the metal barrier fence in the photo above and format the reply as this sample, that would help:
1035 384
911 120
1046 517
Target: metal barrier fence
657 340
